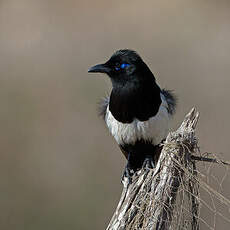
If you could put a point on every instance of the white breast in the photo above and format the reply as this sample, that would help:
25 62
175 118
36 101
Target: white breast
154 129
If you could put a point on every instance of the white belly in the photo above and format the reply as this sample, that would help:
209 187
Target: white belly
155 129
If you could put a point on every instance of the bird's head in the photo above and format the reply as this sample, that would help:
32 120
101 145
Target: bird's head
125 66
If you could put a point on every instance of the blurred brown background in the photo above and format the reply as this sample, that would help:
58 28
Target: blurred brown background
59 167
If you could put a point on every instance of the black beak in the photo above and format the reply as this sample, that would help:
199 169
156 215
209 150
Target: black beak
101 68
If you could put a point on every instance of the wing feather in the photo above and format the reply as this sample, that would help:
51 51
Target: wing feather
102 106
171 100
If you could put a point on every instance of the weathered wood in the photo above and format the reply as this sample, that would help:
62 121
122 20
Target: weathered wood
149 201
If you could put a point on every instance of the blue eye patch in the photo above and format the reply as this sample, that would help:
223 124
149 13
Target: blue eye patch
122 66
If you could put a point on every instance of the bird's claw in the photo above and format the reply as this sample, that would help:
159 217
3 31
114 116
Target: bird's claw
148 162
127 175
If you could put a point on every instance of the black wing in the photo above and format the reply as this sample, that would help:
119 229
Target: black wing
102 107
171 100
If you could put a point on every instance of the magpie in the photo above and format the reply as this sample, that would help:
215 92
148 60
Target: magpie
137 112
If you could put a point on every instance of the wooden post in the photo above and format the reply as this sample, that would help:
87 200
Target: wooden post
155 198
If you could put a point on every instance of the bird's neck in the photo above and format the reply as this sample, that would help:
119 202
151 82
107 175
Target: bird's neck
135 101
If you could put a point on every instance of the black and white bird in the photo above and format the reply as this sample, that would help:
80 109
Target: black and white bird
137 112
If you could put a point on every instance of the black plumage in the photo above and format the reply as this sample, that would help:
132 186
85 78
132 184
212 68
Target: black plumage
169 96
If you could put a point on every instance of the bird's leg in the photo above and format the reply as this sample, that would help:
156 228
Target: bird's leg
127 175
148 162
128 172
136 162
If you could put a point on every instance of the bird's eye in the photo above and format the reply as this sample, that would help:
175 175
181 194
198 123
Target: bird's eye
122 66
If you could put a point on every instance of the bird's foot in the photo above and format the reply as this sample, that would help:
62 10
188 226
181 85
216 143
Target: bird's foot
127 175
148 162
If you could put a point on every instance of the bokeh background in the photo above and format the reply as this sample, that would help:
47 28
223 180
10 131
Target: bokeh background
59 167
